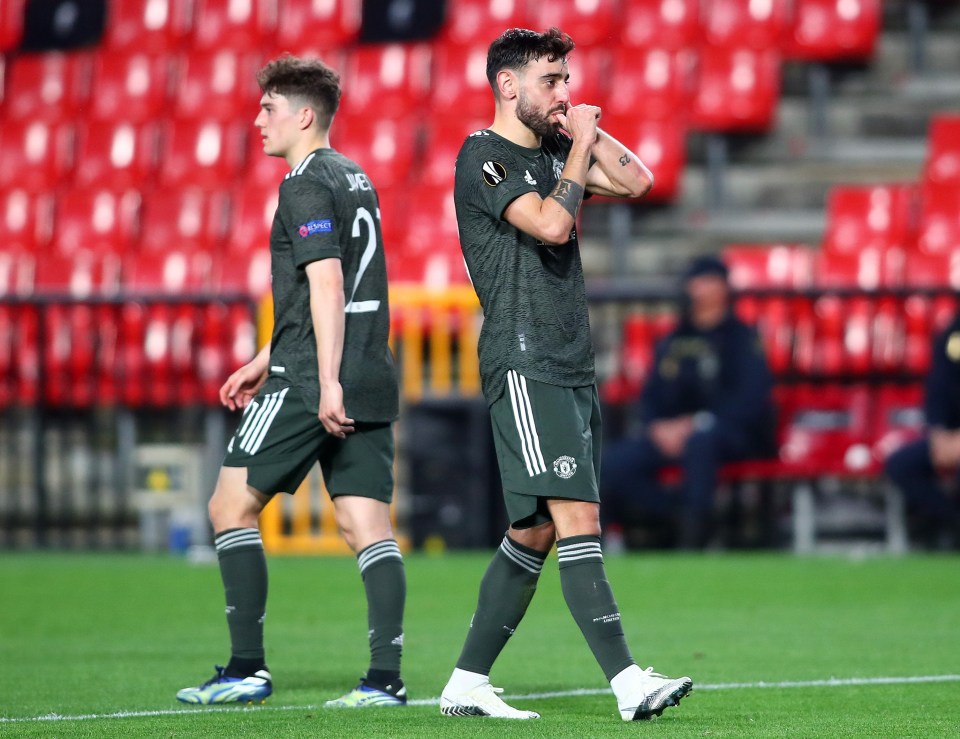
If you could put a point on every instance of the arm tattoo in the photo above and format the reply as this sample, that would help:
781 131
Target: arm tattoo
624 160
569 194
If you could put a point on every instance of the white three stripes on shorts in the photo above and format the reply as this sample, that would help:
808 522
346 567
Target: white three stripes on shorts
256 422
526 426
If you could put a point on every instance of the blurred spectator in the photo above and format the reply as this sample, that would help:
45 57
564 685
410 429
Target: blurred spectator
917 468
707 401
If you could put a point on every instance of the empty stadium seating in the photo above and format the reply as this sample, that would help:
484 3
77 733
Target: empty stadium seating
206 153
36 155
672 24
460 84
473 21
51 86
184 219
942 166
116 153
251 217
26 221
95 219
133 87
228 24
148 25
758 25
11 24
828 30
588 23
869 217
384 148
216 84
385 80
652 83
316 25
939 225
736 89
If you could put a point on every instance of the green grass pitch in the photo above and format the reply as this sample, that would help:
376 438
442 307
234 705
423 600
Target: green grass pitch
99 643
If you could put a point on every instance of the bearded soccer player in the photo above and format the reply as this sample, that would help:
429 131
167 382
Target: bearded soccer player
519 187
324 390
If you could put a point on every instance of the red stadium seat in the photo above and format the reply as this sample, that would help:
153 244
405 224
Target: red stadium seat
386 80
590 77
26 221
753 266
130 87
830 30
827 430
36 155
385 149
430 254
444 137
942 166
937 270
867 269
148 25
737 89
172 272
116 153
190 220
204 153
671 24
25 360
939 227
758 25
481 21
218 84
51 86
80 275
889 336
70 356
11 24
228 24
251 219
247 272
460 84
651 83
869 217
898 418
101 221
307 25
588 23
641 332
661 146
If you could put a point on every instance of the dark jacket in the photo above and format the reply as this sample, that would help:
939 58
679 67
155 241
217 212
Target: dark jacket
942 404
722 372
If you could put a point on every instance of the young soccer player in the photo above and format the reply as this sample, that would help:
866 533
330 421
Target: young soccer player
324 390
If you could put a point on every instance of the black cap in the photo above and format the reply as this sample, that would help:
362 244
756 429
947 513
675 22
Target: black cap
707 265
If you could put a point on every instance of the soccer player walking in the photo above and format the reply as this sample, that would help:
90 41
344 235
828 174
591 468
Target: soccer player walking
519 187
324 390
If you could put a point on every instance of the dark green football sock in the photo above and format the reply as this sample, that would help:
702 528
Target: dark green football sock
505 592
590 600
243 568
385 583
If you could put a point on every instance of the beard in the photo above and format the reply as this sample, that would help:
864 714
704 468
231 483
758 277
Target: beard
540 124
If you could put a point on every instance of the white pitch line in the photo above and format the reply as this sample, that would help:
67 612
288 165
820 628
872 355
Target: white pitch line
833 682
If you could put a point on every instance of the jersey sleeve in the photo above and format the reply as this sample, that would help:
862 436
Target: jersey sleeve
493 176
309 216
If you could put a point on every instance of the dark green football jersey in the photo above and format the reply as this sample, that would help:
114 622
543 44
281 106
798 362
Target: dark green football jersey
535 318
329 209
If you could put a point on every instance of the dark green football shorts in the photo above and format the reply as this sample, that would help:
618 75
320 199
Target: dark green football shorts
547 440
279 440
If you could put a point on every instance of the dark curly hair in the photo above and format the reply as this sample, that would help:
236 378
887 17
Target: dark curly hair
305 80
517 47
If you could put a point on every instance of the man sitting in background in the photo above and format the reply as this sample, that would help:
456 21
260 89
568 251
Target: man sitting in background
916 467
708 400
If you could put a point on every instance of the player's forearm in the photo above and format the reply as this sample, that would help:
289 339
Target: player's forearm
561 207
628 176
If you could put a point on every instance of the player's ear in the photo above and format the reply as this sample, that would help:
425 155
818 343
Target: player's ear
307 117
508 84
